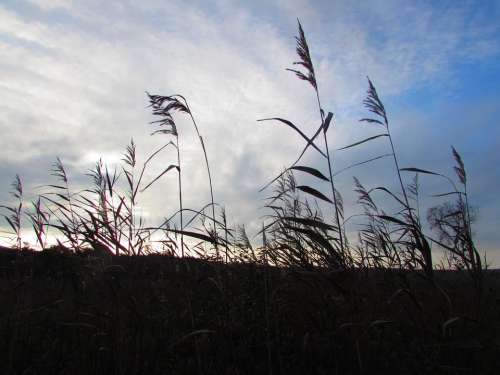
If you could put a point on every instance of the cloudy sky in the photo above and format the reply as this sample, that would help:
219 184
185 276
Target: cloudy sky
74 75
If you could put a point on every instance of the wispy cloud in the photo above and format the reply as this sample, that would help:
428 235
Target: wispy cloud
74 76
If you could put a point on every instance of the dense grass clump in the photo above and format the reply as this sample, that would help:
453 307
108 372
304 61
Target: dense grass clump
196 295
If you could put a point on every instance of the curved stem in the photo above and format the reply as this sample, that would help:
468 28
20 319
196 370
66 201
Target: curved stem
208 171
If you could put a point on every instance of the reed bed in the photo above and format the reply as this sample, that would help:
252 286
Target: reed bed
208 300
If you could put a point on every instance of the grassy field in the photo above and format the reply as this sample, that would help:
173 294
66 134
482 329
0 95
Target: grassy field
81 314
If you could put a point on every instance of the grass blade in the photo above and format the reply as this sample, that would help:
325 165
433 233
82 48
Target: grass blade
314 192
364 140
294 127
312 171
171 166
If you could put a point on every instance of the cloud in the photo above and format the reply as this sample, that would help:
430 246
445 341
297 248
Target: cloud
48 5
74 76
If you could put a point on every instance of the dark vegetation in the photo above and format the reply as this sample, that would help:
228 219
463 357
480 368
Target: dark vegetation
195 295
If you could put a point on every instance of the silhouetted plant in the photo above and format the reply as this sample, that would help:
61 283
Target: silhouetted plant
40 222
408 227
15 213
164 107
376 248
61 206
453 223
299 235
336 245
105 217
310 76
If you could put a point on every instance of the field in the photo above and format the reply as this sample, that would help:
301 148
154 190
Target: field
82 314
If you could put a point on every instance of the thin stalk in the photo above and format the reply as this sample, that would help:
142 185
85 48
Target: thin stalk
132 231
72 212
403 190
180 194
226 233
73 221
131 227
427 257
208 171
474 259
473 254
337 216
115 236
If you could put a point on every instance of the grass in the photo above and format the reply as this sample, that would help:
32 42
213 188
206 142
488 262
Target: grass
207 300
82 313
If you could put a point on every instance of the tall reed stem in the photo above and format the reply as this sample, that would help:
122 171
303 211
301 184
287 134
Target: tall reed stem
180 193
335 203
208 170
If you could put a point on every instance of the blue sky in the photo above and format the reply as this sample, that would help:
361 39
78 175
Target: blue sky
74 75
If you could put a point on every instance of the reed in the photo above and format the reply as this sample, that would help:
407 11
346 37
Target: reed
307 229
297 232
164 107
15 213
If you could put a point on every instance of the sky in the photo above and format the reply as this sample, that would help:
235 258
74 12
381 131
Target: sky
75 73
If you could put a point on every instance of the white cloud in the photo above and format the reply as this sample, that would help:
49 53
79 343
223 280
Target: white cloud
79 85
52 4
